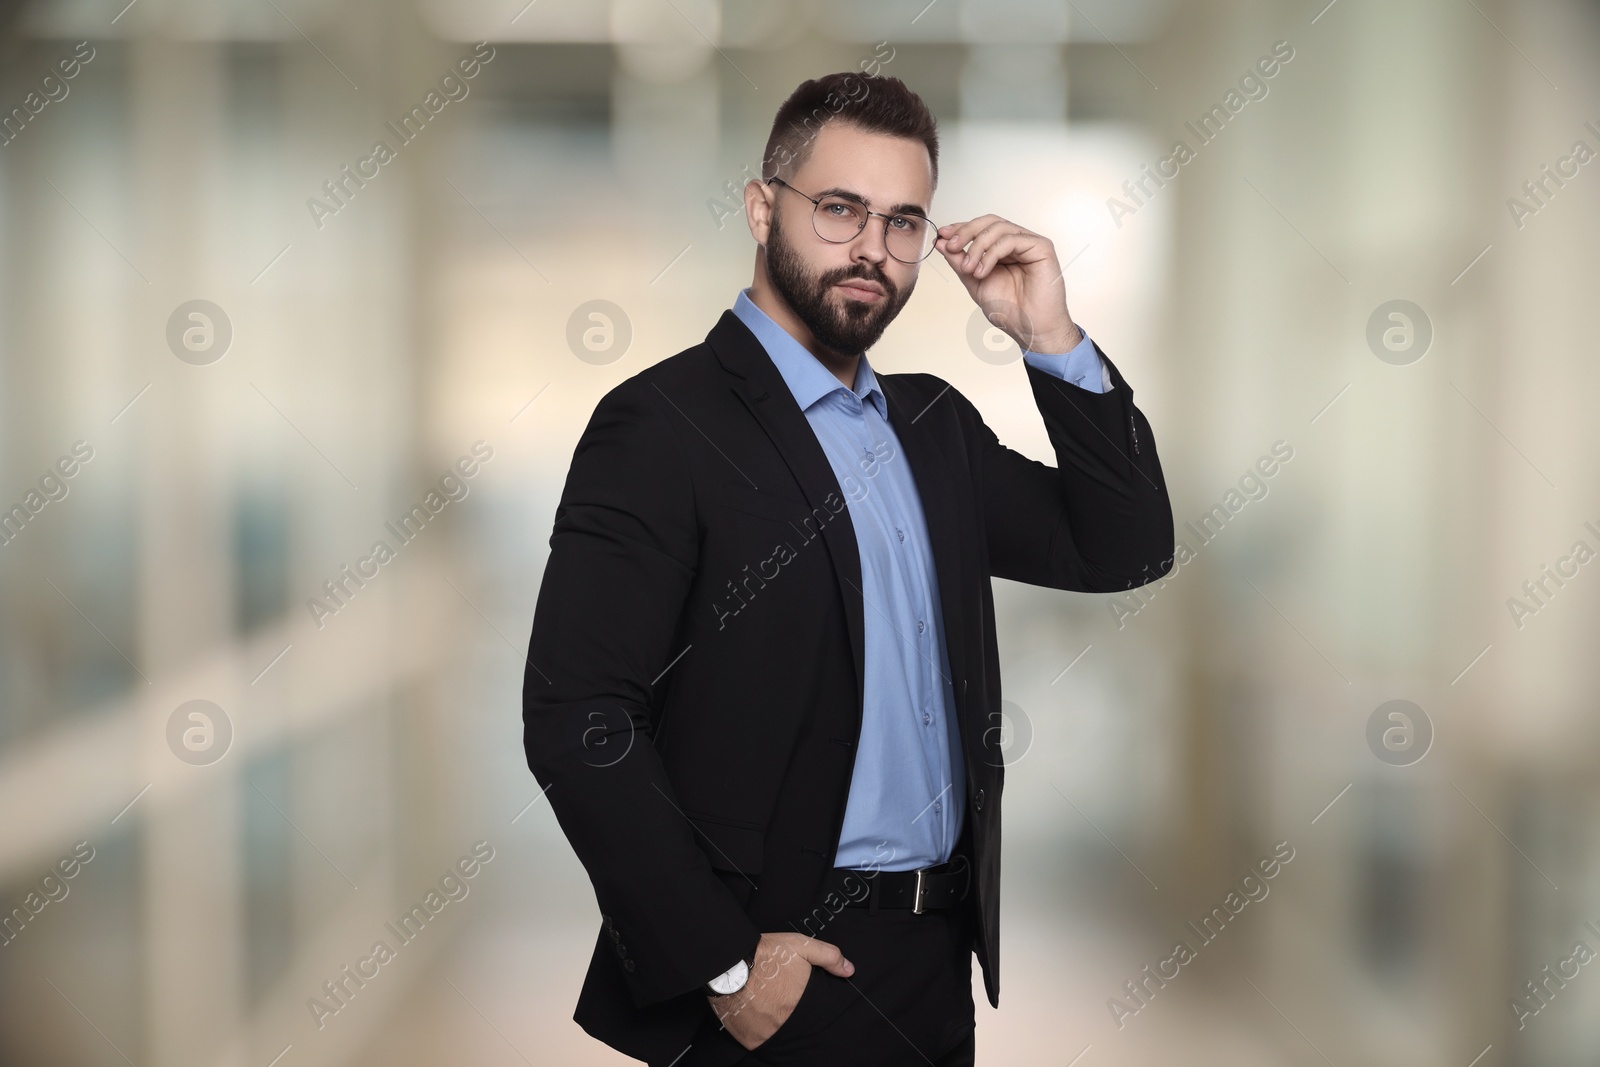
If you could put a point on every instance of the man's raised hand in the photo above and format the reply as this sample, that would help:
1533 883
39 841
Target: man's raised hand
1013 275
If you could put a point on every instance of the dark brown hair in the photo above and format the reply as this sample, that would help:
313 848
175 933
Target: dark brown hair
875 103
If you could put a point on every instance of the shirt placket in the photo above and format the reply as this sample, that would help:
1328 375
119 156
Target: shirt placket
911 571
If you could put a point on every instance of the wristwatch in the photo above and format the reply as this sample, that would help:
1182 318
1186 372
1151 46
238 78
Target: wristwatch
731 980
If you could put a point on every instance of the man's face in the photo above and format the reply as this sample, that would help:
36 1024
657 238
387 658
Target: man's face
847 294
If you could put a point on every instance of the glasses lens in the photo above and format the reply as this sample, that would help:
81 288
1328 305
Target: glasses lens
838 219
910 237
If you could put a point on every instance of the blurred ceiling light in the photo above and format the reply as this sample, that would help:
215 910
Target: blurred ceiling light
661 42
1033 22
992 21
1014 81
541 21
630 22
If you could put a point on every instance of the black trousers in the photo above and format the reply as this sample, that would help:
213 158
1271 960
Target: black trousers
908 1003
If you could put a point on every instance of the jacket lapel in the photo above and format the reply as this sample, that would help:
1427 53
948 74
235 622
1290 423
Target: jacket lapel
758 384
915 420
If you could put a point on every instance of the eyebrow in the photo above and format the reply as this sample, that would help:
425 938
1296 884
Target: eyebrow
898 209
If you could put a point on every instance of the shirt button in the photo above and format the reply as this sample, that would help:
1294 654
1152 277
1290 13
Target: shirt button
921 626
937 807
977 801
900 533
926 718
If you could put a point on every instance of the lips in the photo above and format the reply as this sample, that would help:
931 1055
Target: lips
857 289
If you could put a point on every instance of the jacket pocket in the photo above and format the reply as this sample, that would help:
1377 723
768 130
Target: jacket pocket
730 847
737 496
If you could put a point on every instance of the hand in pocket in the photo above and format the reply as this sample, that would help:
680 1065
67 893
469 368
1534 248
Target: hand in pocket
782 970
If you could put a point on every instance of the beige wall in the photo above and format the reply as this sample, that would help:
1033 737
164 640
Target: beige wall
368 354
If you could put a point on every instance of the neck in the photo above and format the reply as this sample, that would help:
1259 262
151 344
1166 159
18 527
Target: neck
840 364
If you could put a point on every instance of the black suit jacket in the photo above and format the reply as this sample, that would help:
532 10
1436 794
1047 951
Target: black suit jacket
692 697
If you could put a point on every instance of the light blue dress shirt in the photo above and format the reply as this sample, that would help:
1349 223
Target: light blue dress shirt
908 791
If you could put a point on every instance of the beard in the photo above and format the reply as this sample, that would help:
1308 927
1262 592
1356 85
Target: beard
847 326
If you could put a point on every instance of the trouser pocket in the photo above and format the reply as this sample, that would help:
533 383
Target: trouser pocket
804 1031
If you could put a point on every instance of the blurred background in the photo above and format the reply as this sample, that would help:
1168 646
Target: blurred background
239 346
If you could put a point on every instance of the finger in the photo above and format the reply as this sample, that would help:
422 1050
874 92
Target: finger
979 248
952 259
828 957
957 234
992 245
1001 250
952 255
961 247
980 251
948 245
841 967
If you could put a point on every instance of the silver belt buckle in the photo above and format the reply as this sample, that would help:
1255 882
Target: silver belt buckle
916 896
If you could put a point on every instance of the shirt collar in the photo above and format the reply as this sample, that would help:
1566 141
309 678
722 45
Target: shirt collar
805 375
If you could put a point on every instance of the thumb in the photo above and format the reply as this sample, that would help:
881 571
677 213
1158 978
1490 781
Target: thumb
828 957
953 255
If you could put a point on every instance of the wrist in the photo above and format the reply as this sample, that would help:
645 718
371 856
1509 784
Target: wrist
1057 343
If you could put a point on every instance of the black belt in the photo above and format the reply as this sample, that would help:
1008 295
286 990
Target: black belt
943 886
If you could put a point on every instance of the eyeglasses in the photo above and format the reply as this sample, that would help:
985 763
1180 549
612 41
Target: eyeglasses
838 219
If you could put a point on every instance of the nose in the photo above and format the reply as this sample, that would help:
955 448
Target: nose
871 243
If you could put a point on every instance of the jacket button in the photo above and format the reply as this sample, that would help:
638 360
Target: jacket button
627 965
977 801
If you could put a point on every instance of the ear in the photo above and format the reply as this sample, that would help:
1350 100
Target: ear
758 198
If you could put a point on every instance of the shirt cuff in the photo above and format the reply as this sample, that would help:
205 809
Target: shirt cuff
1082 366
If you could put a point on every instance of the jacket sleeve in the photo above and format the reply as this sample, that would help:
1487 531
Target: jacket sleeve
1097 522
622 554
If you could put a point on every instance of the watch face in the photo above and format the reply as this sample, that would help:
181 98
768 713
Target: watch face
732 980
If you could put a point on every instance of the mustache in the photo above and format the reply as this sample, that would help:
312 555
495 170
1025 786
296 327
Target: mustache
862 272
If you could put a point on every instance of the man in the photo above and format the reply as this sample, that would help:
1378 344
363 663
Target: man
763 687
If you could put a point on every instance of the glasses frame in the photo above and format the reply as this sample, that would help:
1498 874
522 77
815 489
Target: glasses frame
816 202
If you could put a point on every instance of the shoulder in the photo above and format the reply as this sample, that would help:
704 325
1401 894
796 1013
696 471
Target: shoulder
925 394
663 385
635 452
